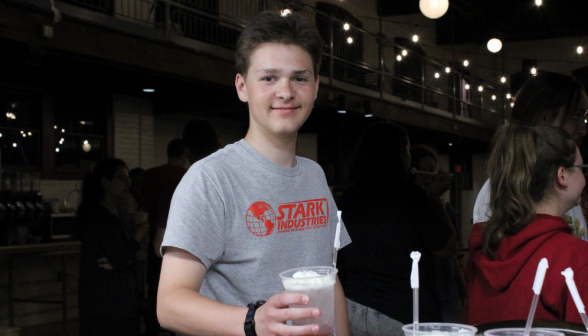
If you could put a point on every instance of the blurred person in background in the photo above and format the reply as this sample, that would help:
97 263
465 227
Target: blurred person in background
108 297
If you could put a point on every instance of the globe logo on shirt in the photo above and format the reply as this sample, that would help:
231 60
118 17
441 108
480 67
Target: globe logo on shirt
261 219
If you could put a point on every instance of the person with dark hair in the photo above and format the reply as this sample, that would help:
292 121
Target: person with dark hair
536 175
108 298
552 99
449 278
159 184
227 237
200 140
388 217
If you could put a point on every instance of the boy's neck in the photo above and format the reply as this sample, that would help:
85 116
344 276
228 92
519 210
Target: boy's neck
279 150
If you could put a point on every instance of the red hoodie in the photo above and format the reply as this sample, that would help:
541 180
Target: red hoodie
501 289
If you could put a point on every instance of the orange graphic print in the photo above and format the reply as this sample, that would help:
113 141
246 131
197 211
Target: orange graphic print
295 216
260 219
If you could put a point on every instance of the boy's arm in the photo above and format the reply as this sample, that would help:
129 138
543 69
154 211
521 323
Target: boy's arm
181 308
341 310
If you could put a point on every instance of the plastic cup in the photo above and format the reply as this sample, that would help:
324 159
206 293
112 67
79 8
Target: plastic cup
321 291
520 331
440 329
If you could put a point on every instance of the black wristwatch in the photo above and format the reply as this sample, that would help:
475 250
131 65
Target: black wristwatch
249 319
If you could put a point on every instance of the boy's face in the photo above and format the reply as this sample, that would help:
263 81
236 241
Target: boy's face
280 88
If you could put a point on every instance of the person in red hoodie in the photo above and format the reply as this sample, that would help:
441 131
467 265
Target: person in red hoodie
536 175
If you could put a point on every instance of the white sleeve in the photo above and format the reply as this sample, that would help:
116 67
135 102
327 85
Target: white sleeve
482 208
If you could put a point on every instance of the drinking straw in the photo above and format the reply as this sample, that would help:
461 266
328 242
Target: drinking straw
569 274
539 277
414 171
414 283
337 245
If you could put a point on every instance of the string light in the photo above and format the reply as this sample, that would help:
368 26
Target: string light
480 88
503 79
579 50
415 38
286 12
467 86
448 69
404 52
533 71
350 40
346 26
466 63
436 75
399 58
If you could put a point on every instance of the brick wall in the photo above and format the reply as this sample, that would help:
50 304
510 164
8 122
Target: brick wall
133 131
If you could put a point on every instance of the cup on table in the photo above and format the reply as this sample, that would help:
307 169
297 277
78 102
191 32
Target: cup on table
319 287
520 331
440 329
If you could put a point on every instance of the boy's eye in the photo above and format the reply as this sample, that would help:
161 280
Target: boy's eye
267 79
300 79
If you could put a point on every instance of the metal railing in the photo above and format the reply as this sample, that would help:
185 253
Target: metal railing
368 60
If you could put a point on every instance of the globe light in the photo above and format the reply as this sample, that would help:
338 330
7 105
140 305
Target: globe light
448 69
434 9
508 96
415 38
399 58
404 52
466 63
494 45
533 71
346 26
467 86
436 75
14 144
538 2
57 150
493 97
350 40
480 88
503 79
580 50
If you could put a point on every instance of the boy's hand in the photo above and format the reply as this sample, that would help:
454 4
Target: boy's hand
270 319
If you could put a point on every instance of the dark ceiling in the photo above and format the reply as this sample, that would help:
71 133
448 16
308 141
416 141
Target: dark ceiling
476 21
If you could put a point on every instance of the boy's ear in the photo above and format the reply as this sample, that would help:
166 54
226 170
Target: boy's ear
241 88
562 177
316 87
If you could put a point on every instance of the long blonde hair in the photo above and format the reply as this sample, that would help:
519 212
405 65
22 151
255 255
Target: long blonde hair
522 169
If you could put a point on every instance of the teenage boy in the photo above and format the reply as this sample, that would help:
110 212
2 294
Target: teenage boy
253 209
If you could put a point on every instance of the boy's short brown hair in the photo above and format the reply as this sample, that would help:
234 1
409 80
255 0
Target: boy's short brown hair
272 27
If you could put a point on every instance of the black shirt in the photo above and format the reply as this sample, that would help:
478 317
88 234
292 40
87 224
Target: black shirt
386 222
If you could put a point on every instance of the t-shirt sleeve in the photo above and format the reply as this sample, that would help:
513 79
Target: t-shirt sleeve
196 220
482 205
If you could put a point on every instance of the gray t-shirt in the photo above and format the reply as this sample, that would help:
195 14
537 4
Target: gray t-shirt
248 219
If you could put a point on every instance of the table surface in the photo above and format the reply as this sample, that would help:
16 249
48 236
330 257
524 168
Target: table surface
57 248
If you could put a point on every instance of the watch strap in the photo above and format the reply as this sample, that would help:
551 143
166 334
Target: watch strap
249 324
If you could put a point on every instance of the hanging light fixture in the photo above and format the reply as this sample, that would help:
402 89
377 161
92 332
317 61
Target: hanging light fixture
538 2
437 75
415 38
494 45
466 63
346 26
533 71
399 58
285 12
579 50
467 86
508 96
404 52
448 69
350 40
502 79
434 9
480 88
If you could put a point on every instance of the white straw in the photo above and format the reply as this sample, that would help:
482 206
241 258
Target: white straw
414 283
539 277
337 244
569 274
